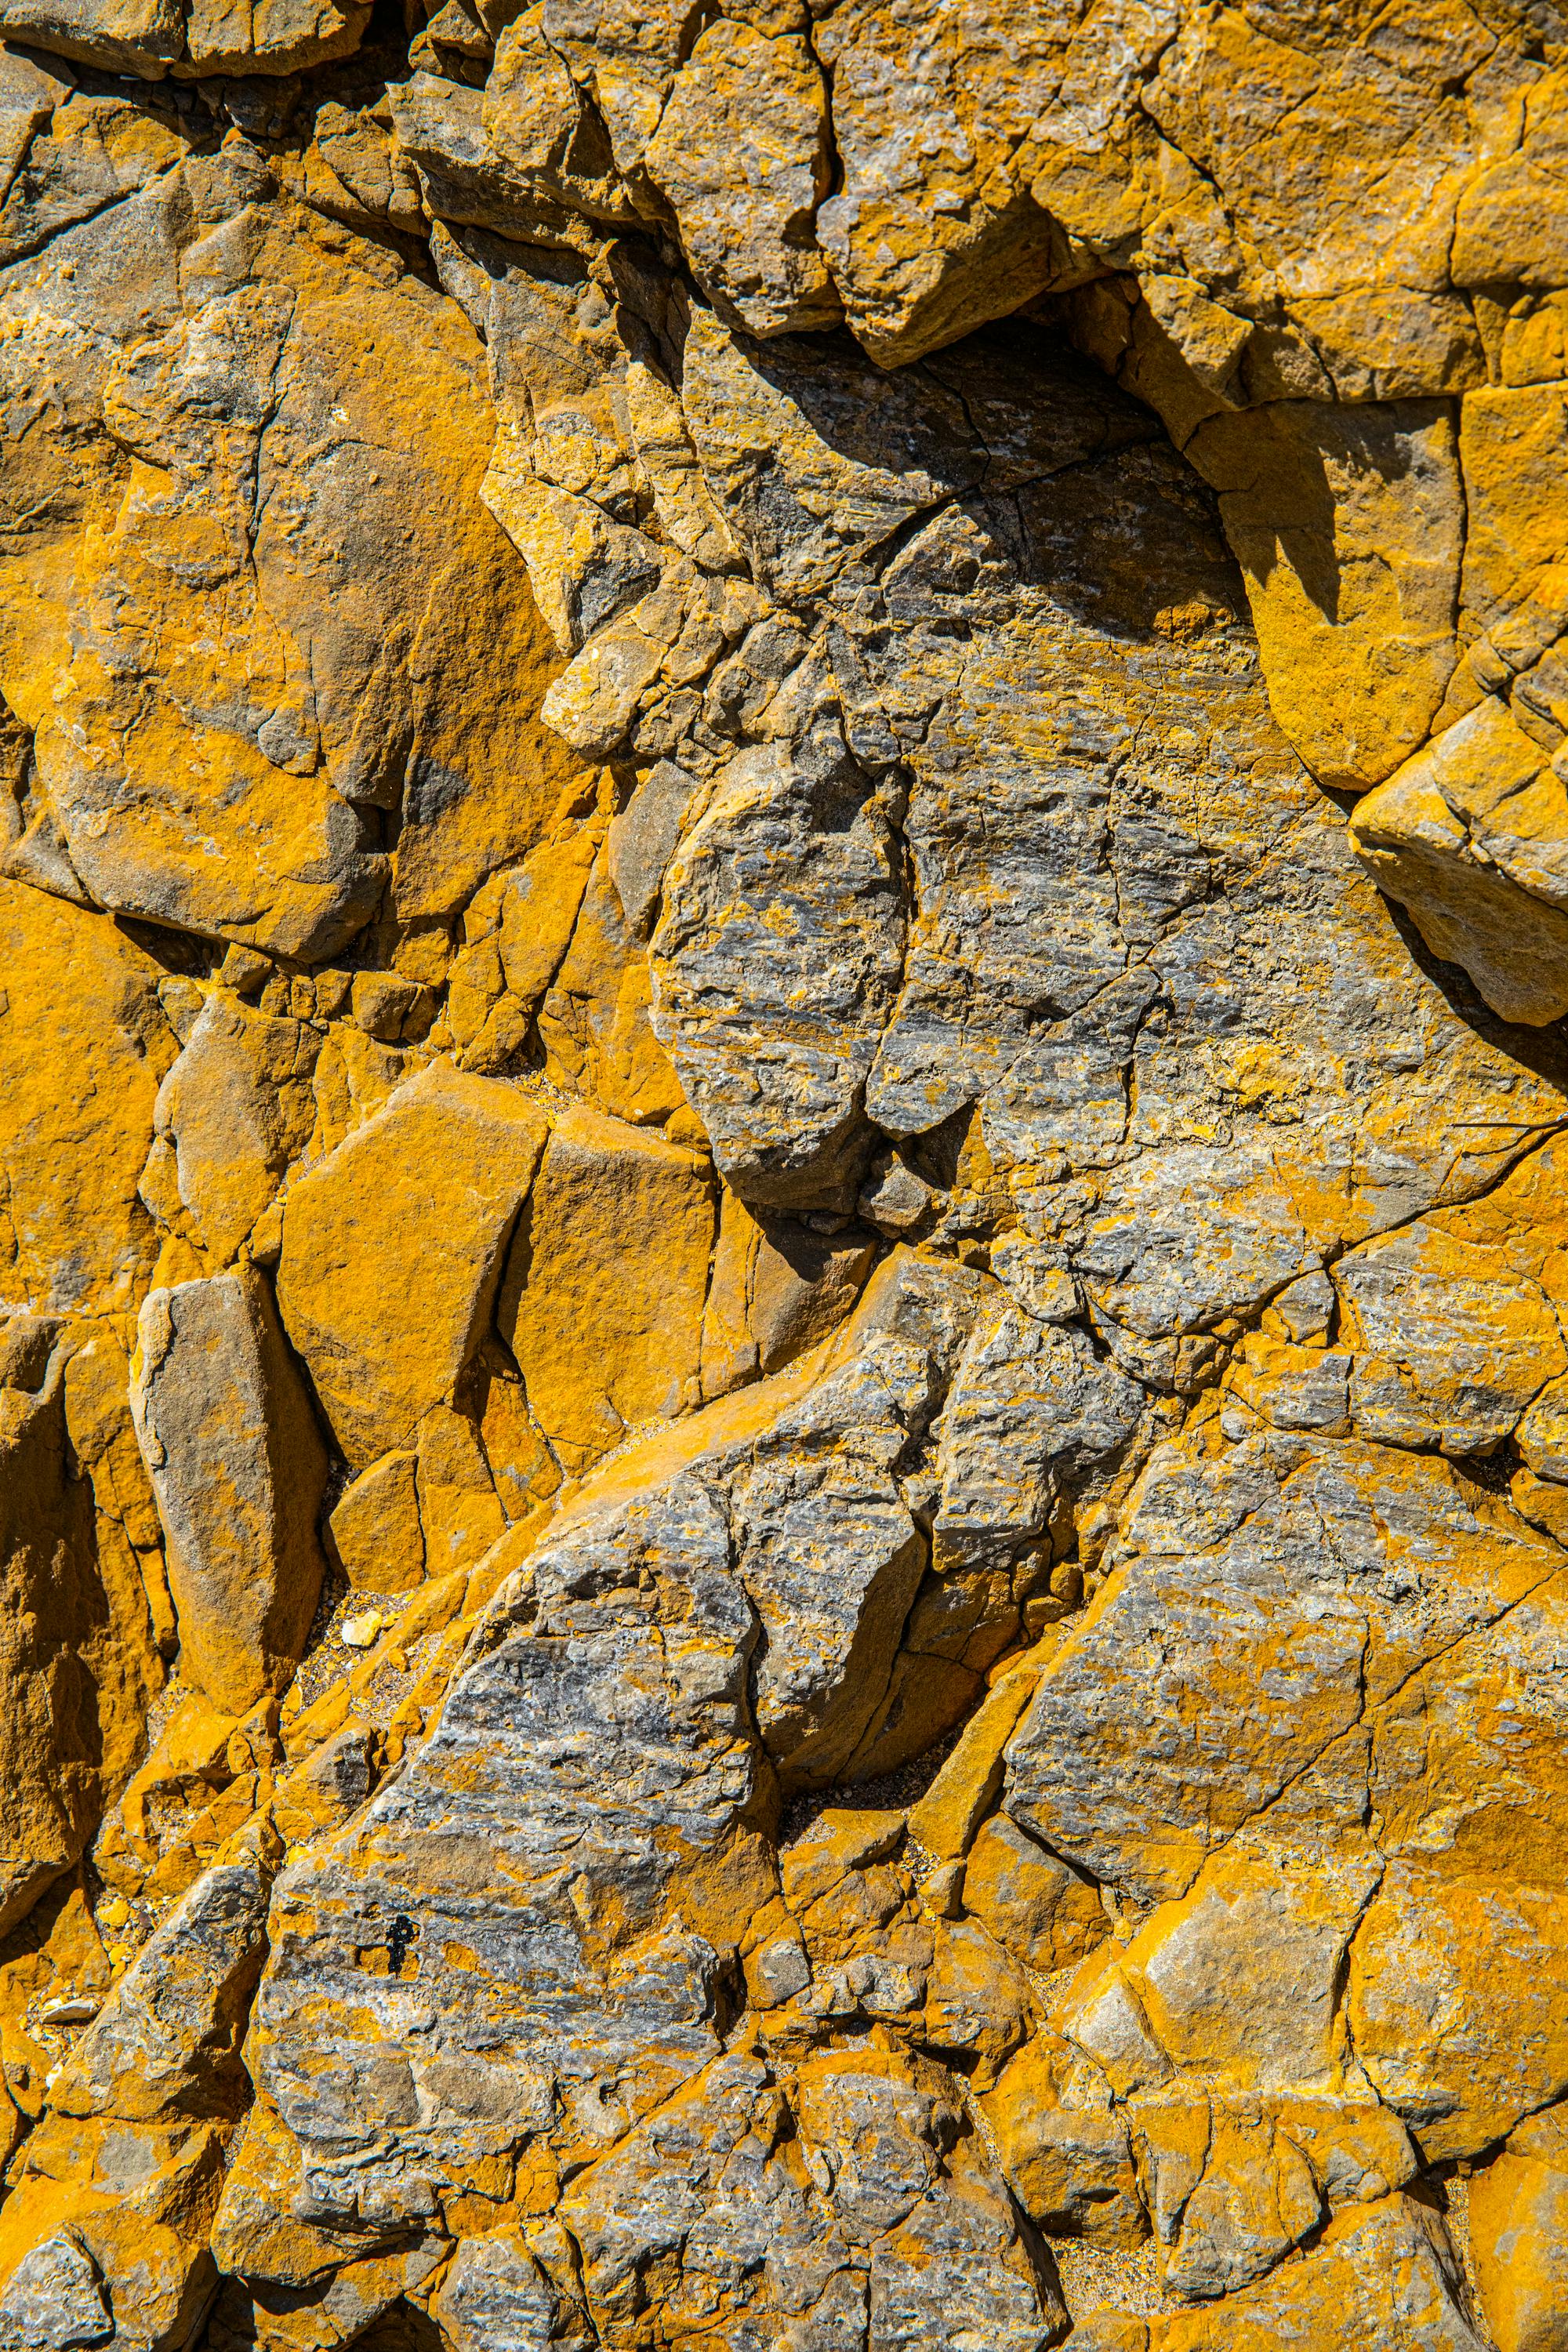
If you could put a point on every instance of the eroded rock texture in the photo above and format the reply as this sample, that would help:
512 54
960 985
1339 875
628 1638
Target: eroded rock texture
784 1205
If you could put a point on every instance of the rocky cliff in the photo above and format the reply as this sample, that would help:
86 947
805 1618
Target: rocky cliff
783 1176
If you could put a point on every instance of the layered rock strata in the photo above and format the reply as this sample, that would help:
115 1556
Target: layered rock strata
784 1278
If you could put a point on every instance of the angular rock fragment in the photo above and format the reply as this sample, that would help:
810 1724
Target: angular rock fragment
1348 523
742 154
376 1527
238 1466
166 2043
776 1288
775 958
1472 835
521 1985
497 2294
237 1109
860 2218
55 2297
603 1297
149 37
393 1247
122 2213
350 684
78 1662
1384 2274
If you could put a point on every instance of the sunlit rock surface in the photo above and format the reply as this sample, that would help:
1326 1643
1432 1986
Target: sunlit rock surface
783 1287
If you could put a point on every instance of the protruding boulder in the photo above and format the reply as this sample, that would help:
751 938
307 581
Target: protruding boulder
238 1466
603 1302
1472 835
236 1109
393 1247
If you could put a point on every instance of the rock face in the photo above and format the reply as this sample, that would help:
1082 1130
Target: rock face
783 1286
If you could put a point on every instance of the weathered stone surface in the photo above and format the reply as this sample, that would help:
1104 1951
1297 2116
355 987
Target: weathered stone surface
204 412
77 1654
237 1109
776 1288
1367 603
376 1527
238 1467
393 1247
741 153
83 1043
522 1983
603 1297
1472 835
1384 2276
167 2041
808 764
151 38
1517 2229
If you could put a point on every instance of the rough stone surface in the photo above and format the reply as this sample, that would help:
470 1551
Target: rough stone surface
238 1467
783 1295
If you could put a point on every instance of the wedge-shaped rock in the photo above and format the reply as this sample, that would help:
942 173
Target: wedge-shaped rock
236 1109
1064 2145
1472 837
776 1288
1043 1913
238 1466
392 1247
930 233
166 2042
603 1302
376 1527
